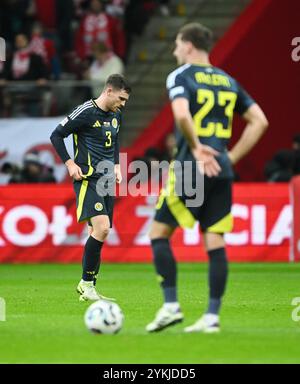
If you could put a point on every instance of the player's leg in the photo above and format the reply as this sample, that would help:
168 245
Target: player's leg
165 266
218 270
216 220
93 246
163 259
217 279
90 230
92 257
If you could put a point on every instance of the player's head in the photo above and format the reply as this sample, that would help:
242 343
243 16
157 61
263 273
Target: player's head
190 38
116 91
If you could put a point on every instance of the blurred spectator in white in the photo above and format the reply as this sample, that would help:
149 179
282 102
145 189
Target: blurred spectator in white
116 8
164 7
105 64
25 66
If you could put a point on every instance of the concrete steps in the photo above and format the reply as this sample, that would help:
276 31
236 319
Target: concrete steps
151 58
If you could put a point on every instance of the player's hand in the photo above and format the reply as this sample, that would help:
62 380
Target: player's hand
74 171
207 156
118 173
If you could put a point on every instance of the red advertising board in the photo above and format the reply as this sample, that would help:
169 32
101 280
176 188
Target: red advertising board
38 224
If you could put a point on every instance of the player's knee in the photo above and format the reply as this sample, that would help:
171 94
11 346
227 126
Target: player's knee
158 231
101 233
213 241
154 233
105 232
101 227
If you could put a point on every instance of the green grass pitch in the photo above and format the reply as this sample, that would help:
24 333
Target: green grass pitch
44 319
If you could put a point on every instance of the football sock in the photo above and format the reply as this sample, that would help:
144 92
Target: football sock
91 258
218 272
172 307
96 272
165 266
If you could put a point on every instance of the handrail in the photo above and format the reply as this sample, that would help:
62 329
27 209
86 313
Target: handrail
52 83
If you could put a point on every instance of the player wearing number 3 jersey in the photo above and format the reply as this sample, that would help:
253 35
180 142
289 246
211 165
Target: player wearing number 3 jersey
204 99
95 128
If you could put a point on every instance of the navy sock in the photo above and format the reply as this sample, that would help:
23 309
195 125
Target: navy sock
165 266
218 272
91 258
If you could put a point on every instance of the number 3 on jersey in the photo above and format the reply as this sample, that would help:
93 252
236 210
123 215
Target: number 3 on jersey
108 141
208 99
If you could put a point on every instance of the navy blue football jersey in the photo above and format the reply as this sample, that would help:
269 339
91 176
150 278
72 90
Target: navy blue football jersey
213 97
95 136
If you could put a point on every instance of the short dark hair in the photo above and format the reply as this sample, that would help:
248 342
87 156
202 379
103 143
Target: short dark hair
200 36
118 81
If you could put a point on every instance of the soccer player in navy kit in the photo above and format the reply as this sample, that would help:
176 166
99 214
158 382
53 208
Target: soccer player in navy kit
204 99
95 128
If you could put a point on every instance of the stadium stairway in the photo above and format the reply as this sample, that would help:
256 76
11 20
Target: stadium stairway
151 58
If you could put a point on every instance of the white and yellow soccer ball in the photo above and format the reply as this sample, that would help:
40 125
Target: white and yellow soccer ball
104 317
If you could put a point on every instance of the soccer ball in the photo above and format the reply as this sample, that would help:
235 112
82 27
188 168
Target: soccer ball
104 317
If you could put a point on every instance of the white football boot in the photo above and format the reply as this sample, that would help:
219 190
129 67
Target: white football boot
87 291
208 323
164 318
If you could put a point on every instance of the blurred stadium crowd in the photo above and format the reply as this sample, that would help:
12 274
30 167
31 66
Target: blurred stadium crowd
59 53
51 40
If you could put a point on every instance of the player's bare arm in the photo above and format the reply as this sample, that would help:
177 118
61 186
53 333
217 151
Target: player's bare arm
203 153
257 124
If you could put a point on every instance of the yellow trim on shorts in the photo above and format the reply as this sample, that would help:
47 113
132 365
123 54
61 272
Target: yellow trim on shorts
91 169
81 197
181 213
76 144
222 226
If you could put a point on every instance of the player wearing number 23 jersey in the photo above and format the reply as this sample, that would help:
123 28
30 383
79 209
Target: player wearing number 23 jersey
203 99
213 98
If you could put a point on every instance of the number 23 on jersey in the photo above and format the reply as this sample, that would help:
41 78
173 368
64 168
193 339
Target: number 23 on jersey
209 100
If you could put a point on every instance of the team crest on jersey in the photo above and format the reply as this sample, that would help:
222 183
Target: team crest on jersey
98 207
114 123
